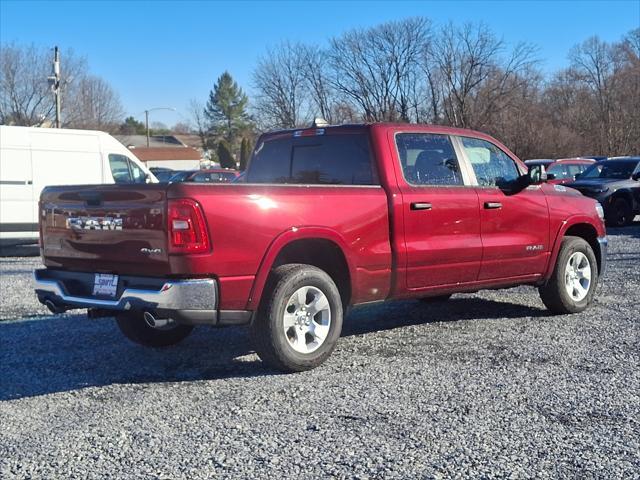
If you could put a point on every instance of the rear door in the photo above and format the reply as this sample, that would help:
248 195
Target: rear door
441 212
106 228
515 227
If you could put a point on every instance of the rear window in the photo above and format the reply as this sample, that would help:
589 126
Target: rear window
341 159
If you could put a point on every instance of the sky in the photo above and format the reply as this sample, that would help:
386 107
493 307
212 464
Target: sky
165 53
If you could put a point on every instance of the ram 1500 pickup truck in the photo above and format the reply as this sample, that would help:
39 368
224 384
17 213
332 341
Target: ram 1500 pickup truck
322 219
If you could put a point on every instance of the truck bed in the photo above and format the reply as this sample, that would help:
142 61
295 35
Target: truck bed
123 229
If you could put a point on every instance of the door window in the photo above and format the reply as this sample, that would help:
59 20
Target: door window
120 168
124 170
428 159
137 174
491 165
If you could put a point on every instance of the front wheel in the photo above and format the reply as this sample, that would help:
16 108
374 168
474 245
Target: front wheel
619 214
573 282
299 320
134 326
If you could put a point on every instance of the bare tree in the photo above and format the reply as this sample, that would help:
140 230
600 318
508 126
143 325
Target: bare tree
473 75
608 75
376 68
92 104
199 121
316 73
281 88
25 97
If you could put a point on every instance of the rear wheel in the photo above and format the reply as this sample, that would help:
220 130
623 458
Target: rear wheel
300 318
619 213
134 326
573 282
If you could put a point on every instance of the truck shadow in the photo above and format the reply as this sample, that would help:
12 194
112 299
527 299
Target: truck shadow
58 354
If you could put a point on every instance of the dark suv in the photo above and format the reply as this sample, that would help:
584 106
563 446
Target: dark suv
615 183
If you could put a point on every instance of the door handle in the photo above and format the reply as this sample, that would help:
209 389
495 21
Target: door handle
420 206
492 205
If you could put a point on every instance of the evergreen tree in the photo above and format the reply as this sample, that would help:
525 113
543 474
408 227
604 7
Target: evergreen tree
131 126
226 109
224 155
245 152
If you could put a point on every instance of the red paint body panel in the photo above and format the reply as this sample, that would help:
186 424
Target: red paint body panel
391 250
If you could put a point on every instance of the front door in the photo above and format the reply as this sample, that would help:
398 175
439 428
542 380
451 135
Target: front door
441 213
514 227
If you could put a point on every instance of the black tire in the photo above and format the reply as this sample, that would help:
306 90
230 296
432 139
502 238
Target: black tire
554 294
437 299
134 327
267 330
619 213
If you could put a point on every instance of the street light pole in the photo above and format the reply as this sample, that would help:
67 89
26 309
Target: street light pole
146 121
146 118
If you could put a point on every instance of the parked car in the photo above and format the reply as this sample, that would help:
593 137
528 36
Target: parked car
564 170
615 183
32 158
327 218
162 174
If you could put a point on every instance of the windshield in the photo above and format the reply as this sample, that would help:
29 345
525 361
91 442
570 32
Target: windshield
610 169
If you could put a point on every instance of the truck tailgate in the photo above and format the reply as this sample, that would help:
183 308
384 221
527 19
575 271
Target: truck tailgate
105 228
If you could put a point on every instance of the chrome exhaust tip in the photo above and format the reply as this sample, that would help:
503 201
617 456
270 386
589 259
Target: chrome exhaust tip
154 322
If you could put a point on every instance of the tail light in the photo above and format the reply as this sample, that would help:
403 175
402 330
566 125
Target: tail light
187 229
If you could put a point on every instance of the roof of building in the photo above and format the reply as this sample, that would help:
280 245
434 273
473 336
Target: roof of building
165 141
163 153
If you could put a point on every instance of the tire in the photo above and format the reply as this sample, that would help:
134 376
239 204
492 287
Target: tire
287 335
619 213
575 253
436 299
136 329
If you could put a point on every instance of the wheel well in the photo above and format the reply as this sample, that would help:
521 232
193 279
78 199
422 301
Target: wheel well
323 254
589 234
625 195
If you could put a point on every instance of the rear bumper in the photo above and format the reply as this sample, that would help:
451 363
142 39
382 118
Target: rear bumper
604 245
190 301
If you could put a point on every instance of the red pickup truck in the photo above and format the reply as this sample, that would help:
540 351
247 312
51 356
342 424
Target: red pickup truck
323 219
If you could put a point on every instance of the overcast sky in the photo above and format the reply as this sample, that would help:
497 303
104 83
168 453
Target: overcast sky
165 53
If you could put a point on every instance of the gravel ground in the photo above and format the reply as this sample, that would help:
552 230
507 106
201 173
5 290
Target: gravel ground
485 385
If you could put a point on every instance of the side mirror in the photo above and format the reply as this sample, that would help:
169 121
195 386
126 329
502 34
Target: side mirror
550 176
576 176
636 176
537 174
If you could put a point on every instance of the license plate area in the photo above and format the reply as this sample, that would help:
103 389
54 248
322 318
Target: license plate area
105 285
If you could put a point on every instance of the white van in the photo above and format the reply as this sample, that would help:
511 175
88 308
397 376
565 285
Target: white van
32 158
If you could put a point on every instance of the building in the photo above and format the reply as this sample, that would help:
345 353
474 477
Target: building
165 151
176 158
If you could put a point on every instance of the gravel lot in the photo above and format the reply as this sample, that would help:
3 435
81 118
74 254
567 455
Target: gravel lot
486 385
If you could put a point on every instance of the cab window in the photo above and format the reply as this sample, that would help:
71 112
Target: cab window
491 165
428 159
322 159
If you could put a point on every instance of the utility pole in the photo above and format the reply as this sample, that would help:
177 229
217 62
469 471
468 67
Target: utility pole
146 121
54 82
